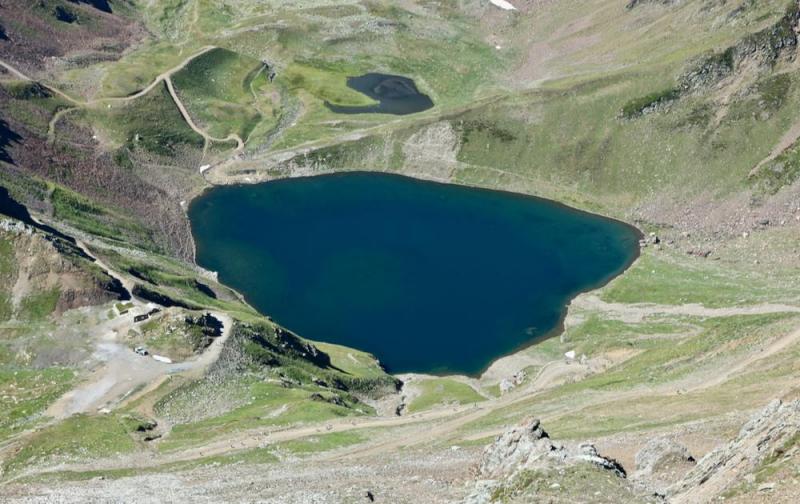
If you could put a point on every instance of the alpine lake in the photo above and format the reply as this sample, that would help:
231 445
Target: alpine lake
429 277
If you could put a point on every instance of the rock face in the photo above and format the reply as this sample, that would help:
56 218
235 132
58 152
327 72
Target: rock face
42 264
528 447
764 436
436 148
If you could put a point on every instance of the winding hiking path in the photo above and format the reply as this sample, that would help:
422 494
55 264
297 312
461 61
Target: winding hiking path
188 118
636 312
165 77
51 126
116 99
13 71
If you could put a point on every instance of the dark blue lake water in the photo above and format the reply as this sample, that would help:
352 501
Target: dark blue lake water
395 95
428 277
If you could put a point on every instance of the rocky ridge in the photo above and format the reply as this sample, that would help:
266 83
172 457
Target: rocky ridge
770 434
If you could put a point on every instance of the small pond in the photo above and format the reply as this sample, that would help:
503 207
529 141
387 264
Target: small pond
395 95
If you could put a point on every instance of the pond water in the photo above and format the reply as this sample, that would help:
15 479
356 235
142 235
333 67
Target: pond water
395 95
428 277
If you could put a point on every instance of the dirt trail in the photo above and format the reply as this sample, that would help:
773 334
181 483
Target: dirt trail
788 139
121 99
221 173
188 118
429 426
16 73
125 281
437 424
775 347
637 312
164 77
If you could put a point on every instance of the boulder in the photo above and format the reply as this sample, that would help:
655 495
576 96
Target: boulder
661 452
528 446
661 463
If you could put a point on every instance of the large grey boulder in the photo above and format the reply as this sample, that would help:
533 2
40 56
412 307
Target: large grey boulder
528 446
525 447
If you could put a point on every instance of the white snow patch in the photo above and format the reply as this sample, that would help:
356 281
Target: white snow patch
503 4
204 167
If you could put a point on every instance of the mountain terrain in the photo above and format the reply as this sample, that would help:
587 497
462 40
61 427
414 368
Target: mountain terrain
675 382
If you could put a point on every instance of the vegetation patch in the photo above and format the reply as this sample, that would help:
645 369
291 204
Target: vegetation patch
442 391
661 361
642 105
152 123
25 393
782 171
325 81
175 334
225 91
40 305
570 484
663 278
774 90
257 403
79 437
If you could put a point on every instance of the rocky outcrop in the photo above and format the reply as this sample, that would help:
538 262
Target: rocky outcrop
764 48
753 56
766 435
436 148
636 3
661 463
660 451
47 274
527 447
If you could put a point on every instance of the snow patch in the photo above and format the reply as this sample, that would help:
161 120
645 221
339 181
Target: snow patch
503 4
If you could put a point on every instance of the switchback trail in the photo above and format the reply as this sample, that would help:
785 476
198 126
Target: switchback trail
113 99
164 77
